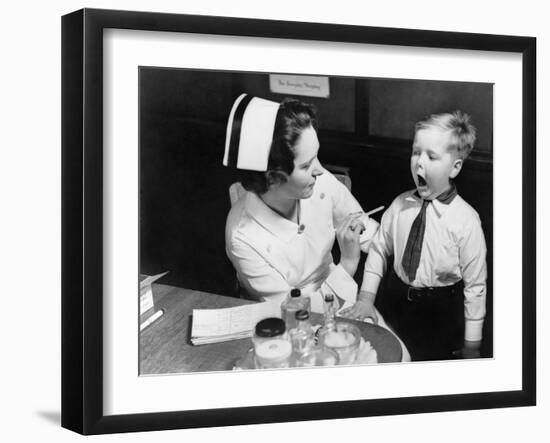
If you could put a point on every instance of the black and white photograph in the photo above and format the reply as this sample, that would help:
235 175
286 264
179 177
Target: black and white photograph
296 218
274 221
293 221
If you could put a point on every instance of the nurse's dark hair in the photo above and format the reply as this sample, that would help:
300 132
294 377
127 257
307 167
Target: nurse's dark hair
293 117
459 124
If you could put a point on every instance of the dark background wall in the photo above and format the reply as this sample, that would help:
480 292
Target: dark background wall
366 125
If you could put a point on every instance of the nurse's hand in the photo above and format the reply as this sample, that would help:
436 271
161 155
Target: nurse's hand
362 309
348 234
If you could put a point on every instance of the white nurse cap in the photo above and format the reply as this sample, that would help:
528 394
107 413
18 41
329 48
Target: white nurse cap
250 133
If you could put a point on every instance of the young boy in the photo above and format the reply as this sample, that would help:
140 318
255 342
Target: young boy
436 301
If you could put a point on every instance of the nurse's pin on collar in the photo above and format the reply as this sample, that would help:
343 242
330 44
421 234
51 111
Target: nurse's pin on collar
301 228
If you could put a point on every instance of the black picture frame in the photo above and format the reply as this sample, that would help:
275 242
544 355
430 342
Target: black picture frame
82 218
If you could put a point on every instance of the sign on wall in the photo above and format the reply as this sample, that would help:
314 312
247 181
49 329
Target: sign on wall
311 86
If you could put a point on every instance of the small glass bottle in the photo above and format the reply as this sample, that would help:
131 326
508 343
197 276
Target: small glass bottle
329 314
301 336
272 348
293 303
329 310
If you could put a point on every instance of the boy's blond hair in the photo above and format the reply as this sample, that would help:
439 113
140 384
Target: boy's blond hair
463 132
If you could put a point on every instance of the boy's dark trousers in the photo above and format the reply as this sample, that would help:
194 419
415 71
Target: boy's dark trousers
430 321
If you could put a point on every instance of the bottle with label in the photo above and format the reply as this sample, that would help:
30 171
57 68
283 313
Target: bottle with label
301 336
293 303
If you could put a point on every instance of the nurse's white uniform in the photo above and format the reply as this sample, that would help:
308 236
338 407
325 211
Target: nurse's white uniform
272 255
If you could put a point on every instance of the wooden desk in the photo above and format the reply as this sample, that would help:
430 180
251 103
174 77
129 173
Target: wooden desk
164 346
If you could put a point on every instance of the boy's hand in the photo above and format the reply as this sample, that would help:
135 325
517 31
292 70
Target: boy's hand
363 308
470 349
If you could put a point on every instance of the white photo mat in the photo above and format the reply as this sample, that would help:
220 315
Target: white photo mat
127 393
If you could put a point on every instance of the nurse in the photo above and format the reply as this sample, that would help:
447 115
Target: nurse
279 234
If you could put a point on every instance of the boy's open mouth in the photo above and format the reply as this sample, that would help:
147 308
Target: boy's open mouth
421 181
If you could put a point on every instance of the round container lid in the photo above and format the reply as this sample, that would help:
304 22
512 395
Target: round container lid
302 314
270 327
295 292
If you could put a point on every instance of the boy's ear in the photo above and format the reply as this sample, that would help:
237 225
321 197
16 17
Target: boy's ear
457 167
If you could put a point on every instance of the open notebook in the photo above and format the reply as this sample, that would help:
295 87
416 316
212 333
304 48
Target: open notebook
218 325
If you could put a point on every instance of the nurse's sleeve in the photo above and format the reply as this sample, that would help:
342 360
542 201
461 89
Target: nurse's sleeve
339 282
263 282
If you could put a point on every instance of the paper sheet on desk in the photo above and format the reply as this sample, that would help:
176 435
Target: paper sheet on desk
146 302
214 325
145 280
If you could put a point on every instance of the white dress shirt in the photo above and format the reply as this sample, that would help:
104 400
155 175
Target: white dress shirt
453 249
271 256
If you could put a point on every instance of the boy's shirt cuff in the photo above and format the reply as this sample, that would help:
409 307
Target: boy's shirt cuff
473 330
371 284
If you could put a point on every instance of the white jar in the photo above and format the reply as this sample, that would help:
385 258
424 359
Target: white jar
272 348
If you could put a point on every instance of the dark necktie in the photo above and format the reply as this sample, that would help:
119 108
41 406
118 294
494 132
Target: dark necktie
413 249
